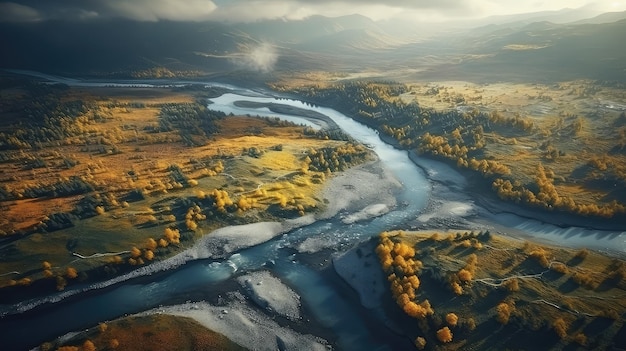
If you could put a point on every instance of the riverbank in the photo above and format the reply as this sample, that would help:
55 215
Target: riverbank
323 121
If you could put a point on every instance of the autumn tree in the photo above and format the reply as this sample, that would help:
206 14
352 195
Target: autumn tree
444 335
68 348
503 312
148 255
71 273
560 327
171 235
151 244
512 285
60 283
135 252
88 346
580 338
452 319
114 343
420 343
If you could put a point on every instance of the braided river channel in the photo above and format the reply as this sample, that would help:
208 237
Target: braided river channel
430 193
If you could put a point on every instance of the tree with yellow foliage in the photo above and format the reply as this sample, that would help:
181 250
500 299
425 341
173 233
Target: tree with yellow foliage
151 244
71 273
456 288
444 335
503 312
88 346
171 235
114 343
135 252
452 319
148 255
560 327
465 275
420 343
68 348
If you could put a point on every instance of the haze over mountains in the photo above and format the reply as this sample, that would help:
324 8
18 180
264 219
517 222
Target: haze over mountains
556 45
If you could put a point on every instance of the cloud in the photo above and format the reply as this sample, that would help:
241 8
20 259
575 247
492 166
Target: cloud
12 12
154 10
261 58
138 10
255 10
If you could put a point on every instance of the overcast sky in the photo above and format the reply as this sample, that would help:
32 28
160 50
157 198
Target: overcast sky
252 10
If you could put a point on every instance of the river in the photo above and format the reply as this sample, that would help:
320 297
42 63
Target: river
32 322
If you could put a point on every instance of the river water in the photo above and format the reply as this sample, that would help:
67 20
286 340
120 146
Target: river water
32 322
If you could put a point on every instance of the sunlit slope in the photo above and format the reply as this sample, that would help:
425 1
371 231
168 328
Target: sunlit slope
542 52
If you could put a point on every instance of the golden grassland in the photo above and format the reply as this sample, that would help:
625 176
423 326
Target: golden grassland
253 169
477 290
153 332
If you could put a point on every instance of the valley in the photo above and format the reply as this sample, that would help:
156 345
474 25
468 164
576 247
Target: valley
312 176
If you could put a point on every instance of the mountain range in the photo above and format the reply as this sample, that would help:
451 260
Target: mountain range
554 45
